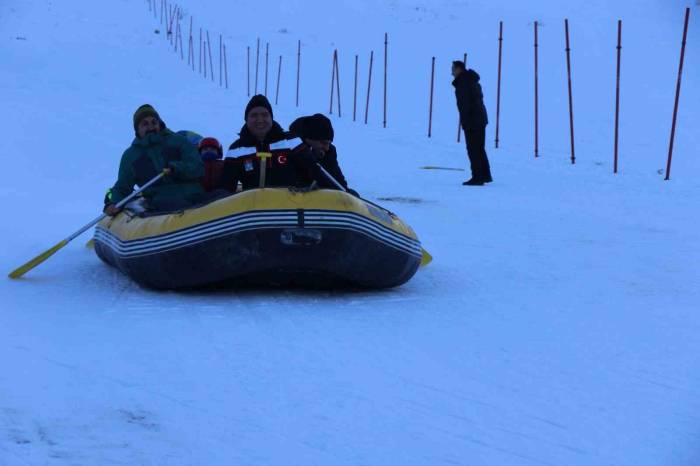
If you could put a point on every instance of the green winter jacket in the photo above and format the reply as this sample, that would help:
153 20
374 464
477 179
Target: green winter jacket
148 156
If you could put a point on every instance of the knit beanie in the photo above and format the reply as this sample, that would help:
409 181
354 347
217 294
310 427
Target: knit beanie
142 112
316 127
258 100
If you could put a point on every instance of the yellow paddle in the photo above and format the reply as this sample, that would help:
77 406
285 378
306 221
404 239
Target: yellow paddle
21 270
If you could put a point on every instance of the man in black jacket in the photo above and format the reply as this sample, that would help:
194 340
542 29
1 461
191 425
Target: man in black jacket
261 133
473 118
317 133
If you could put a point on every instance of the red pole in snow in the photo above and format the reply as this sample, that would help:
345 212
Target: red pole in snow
225 68
337 82
179 37
386 50
211 64
678 93
257 65
369 84
498 88
267 64
536 109
189 44
571 104
248 63
204 52
279 74
430 108
617 91
354 96
298 68
459 122
330 110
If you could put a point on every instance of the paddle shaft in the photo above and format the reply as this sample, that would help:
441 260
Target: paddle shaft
118 205
26 267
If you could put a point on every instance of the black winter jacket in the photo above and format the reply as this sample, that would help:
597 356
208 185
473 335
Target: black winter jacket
284 168
470 100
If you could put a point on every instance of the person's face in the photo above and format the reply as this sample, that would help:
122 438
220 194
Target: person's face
209 153
259 122
320 145
148 125
455 71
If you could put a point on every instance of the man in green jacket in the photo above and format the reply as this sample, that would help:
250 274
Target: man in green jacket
154 149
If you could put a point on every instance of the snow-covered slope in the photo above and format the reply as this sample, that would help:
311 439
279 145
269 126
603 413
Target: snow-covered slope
557 325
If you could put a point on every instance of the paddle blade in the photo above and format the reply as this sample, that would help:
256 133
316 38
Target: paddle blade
19 271
426 259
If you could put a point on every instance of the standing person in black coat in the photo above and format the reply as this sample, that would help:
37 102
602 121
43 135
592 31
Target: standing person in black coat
317 133
473 118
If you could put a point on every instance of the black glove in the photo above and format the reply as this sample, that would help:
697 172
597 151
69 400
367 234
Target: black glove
171 154
353 192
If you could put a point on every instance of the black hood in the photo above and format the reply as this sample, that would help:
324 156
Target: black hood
467 75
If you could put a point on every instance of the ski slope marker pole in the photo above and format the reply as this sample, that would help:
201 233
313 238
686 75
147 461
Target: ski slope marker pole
354 95
225 68
279 74
211 64
257 65
678 93
459 120
386 51
267 62
330 109
498 88
24 268
536 99
430 106
337 82
571 102
617 93
369 84
298 69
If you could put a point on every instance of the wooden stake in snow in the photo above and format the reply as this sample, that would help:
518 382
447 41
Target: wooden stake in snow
298 69
430 107
225 68
267 64
536 99
386 51
571 102
337 82
369 84
354 95
257 65
459 120
211 64
617 93
279 74
335 57
498 88
678 93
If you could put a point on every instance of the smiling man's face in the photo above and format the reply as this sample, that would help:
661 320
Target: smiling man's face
259 122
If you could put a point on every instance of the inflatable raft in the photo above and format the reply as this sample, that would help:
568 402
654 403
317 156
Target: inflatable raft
271 236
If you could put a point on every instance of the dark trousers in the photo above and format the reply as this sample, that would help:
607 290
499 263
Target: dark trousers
476 139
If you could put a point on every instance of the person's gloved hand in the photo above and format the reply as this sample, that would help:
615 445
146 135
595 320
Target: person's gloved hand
111 210
171 154
353 192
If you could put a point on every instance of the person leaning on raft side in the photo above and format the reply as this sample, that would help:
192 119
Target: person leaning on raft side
154 149
261 133
317 133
